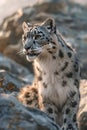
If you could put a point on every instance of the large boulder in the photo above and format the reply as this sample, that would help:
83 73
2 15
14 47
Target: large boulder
14 116
13 76
82 113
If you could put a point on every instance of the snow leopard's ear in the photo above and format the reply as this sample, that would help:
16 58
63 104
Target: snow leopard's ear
26 26
50 25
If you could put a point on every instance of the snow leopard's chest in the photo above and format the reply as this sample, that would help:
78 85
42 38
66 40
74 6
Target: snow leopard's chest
55 88
55 80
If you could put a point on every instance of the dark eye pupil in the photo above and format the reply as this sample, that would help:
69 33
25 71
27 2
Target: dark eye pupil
48 27
37 36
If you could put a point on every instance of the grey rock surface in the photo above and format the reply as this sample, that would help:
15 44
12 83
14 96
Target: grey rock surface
14 116
13 76
82 113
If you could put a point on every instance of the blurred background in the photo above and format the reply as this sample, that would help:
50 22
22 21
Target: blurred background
70 17
8 7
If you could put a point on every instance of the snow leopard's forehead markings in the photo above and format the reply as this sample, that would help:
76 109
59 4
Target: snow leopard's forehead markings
39 30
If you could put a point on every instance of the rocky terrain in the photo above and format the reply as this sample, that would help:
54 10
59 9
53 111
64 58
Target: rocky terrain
15 71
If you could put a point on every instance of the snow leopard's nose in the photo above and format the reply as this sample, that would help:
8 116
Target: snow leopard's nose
27 47
28 44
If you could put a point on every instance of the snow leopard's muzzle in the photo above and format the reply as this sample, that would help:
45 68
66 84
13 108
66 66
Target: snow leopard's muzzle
31 49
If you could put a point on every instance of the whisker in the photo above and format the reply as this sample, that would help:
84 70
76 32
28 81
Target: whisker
36 50
20 52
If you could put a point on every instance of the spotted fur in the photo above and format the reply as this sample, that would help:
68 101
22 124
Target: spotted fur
55 89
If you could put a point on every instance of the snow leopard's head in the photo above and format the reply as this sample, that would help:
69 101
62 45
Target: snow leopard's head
38 39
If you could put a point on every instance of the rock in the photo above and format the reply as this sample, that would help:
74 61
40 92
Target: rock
14 116
82 113
12 66
13 76
4 40
83 121
51 6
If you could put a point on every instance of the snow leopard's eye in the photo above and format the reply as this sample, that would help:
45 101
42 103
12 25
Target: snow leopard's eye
37 36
